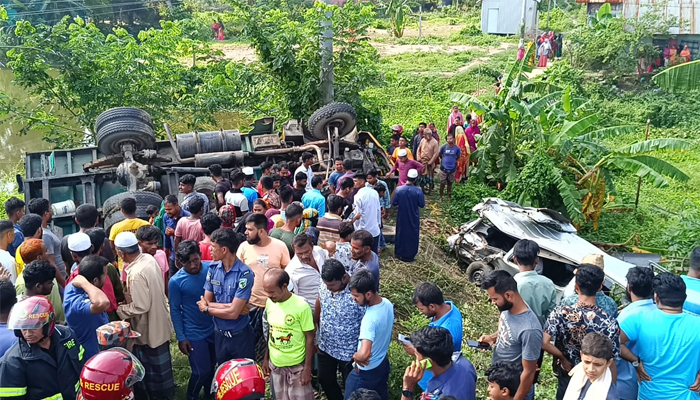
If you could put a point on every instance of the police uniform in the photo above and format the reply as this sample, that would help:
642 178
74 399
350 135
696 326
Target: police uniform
32 373
233 337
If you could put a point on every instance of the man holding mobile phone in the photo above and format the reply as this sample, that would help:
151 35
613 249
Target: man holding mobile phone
451 373
519 335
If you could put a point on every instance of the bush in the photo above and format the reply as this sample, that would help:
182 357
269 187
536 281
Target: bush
466 196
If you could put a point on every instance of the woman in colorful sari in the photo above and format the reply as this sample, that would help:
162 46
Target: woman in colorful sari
685 54
463 162
453 116
471 133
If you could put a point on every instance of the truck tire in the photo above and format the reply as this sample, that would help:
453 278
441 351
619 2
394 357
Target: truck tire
340 115
143 200
477 270
112 135
122 114
206 186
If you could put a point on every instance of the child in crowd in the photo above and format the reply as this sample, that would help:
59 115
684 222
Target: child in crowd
591 379
152 212
504 380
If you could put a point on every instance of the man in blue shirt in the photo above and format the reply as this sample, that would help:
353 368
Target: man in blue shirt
666 353
194 330
429 300
449 153
371 361
452 374
249 186
338 318
85 304
173 213
335 175
14 208
639 293
8 298
313 198
226 293
186 187
692 283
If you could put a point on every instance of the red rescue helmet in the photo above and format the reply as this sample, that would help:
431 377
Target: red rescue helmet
110 375
32 313
397 128
239 379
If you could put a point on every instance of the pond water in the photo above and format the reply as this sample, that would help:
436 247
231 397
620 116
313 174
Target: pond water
14 145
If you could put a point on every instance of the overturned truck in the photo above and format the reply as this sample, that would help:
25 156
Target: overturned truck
129 161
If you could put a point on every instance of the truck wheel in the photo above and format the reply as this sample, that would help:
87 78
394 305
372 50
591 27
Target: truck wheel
206 186
110 207
112 135
477 270
123 114
340 115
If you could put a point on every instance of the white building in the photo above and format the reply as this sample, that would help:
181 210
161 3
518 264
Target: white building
503 17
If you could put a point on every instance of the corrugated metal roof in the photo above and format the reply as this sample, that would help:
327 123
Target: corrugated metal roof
685 10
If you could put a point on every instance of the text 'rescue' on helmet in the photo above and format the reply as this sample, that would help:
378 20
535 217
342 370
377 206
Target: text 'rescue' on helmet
110 375
239 379
34 312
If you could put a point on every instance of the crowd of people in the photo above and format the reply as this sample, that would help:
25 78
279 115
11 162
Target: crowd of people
285 273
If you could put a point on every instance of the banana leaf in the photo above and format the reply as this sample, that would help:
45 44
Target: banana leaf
607 132
648 146
680 78
468 101
650 168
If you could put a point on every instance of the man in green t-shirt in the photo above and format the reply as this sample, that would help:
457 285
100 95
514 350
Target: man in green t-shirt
290 332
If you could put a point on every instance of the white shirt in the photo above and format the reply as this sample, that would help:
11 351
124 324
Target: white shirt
237 200
309 176
367 204
8 262
305 278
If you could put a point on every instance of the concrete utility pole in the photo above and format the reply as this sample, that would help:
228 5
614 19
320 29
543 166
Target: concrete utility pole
327 76
522 25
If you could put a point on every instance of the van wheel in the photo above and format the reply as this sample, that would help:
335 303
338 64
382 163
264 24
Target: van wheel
340 115
477 270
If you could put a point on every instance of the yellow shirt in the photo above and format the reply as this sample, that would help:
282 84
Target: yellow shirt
19 261
128 225
395 156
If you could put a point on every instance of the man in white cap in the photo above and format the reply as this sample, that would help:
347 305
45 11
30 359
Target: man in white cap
80 247
148 313
248 188
409 199
403 165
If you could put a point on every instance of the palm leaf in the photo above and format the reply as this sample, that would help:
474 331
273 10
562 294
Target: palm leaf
650 168
648 146
576 128
681 78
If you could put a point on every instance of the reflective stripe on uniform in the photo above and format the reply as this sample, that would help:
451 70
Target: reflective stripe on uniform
81 353
54 397
13 391
77 386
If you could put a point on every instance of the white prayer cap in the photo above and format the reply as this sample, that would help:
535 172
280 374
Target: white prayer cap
125 239
248 171
412 173
403 153
79 242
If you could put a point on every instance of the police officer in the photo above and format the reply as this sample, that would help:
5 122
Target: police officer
227 290
46 361
110 375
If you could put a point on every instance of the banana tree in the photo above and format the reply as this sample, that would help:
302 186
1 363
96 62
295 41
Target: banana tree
398 11
680 78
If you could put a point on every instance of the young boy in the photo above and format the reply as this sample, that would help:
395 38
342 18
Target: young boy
591 379
504 379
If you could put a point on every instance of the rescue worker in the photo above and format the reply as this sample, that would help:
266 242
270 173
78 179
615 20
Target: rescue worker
110 375
46 361
238 379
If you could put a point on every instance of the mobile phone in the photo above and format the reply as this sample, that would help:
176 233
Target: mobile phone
426 363
404 339
476 345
